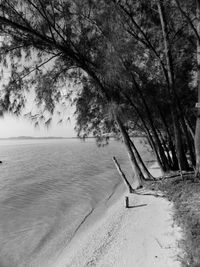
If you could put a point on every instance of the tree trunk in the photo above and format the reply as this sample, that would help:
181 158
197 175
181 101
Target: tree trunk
190 128
164 143
182 160
138 176
189 142
149 137
163 158
123 175
171 144
140 161
197 131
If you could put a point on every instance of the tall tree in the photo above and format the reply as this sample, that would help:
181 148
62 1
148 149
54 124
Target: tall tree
61 36
197 132
188 15
145 25
113 47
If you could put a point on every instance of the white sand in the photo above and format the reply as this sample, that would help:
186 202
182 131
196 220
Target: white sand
143 235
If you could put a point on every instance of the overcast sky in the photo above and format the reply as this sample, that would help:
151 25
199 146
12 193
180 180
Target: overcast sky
11 126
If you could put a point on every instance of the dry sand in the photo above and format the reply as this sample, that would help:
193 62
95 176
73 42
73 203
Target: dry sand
143 235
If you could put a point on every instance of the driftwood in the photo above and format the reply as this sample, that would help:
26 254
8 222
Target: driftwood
123 175
183 175
126 202
149 194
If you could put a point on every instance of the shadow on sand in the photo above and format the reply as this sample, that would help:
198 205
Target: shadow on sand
138 206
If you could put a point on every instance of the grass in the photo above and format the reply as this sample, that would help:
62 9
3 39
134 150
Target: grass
186 198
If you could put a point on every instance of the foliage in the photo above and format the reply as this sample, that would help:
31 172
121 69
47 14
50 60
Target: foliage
114 54
185 196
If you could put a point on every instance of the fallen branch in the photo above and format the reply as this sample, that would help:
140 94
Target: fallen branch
147 194
174 176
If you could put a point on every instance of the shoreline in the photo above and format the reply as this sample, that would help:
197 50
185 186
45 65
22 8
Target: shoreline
107 238
95 220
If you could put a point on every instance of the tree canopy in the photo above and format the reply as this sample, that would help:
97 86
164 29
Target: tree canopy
134 62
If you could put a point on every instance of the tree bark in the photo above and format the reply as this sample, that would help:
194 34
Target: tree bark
189 141
163 158
140 161
164 143
187 122
138 176
123 175
171 144
182 160
149 137
197 130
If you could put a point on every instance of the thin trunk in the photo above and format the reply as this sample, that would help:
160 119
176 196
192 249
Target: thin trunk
197 131
123 175
145 41
189 142
140 161
190 128
138 176
174 156
171 145
185 129
154 132
150 139
182 160
166 148
196 31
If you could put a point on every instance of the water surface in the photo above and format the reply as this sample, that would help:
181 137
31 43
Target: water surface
47 187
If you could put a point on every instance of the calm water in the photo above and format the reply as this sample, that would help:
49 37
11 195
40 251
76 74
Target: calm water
47 187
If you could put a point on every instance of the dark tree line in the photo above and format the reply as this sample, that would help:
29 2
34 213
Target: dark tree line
135 64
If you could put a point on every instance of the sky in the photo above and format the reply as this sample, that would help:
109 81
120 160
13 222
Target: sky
11 126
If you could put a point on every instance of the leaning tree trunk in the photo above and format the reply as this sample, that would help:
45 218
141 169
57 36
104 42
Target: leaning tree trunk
140 161
197 131
149 137
182 160
163 158
170 141
138 176
187 122
167 151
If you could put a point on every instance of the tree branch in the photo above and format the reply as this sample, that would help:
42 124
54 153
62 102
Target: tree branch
188 19
148 42
40 65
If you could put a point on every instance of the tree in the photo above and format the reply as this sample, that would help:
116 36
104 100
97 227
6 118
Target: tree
56 32
114 51
197 133
144 24
196 31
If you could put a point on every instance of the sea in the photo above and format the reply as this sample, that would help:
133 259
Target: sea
48 188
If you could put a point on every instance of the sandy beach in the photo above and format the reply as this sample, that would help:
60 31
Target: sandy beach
143 235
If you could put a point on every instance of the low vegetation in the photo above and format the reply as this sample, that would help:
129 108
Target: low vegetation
186 198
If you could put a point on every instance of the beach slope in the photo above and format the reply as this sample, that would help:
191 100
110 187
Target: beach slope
142 235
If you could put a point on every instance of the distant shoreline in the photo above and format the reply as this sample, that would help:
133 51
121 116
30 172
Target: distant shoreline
52 137
33 138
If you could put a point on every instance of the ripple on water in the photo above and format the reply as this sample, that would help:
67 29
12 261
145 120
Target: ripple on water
47 188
